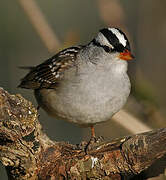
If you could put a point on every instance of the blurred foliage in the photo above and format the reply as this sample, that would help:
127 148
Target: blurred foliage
143 93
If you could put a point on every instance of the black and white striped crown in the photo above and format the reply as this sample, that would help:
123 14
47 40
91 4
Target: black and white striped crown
113 38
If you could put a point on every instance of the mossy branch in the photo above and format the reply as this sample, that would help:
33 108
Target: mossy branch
27 153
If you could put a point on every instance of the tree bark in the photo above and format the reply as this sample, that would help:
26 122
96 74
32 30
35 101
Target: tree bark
28 154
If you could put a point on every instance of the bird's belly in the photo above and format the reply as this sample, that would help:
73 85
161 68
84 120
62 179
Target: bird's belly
88 102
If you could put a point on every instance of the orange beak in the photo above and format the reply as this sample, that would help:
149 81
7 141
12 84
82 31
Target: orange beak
126 55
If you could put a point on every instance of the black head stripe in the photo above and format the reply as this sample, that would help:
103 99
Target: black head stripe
106 48
127 41
114 41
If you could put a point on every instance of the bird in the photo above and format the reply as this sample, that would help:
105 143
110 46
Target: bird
84 84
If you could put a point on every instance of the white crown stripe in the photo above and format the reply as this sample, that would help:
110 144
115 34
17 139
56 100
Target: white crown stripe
119 35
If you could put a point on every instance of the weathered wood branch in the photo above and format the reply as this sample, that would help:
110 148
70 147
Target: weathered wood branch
27 153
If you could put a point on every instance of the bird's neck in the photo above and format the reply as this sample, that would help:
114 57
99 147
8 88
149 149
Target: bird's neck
98 56
92 53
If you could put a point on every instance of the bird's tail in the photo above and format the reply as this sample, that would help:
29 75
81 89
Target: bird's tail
26 67
24 81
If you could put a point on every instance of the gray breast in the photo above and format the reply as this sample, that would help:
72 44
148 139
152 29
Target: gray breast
89 94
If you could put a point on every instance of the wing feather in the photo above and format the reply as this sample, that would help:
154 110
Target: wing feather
47 74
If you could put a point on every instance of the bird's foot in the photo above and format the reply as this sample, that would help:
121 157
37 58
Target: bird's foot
93 143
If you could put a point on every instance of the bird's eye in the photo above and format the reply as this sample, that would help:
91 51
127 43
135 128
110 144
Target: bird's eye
107 49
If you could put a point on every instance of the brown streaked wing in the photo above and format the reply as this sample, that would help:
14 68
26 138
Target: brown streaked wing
47 74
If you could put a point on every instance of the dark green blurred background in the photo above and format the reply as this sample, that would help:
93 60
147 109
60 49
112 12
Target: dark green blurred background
77 22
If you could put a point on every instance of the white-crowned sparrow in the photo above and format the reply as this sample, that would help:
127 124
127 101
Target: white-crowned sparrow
87 84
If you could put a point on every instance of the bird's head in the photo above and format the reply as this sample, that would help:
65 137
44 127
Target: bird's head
113 40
